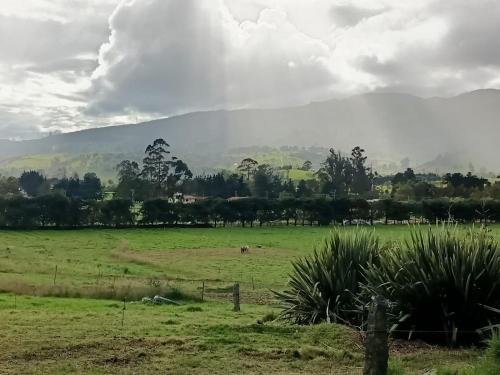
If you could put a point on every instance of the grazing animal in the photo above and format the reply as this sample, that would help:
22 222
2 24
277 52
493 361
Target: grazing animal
244 249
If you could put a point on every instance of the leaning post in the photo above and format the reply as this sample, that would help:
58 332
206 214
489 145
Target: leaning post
376 346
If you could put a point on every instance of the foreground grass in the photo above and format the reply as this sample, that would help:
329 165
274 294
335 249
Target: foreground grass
58 335
85 335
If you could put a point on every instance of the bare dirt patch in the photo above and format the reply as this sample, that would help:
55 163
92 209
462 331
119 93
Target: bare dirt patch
157 257
116 352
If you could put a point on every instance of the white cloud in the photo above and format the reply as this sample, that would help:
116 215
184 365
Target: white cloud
194 54
65 65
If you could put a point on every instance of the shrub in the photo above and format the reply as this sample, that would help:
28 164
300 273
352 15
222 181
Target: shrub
444 280
116 212
324 286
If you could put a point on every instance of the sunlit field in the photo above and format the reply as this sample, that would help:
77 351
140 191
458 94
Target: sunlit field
62 306
177 258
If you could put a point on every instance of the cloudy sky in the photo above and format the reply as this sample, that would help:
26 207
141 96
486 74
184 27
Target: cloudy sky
72 64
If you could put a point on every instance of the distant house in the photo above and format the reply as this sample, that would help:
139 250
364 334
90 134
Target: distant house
231 199
188 199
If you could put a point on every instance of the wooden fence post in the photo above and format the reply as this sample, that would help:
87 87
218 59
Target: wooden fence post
123 313
236 297
376 346
55 275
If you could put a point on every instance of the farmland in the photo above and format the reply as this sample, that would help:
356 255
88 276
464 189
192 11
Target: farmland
62 309
181 256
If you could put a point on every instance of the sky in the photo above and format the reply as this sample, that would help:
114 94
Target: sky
67 65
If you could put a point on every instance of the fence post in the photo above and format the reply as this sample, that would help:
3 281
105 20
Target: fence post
376 346
203 292
236 297
55 275
123 312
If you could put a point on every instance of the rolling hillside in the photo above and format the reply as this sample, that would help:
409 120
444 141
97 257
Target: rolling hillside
393 125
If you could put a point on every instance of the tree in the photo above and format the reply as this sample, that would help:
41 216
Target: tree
304 190
31 182
116 212
468 181
361 175
335 174
245 210
91 187
156 165
218 185
307 166
20 212
130 184
423 190
248 166
289 210
267 211
159 211
163 171
223 210
178 173
406 176
458 185
288 189
403 192
266 184
88 188
392 210
53 209
128 170
8 186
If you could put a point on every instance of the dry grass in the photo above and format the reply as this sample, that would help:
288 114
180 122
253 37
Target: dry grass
120 290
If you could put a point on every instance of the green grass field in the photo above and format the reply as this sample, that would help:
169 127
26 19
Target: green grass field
181 257
44 331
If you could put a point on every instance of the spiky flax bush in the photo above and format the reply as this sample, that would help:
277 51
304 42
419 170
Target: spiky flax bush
444 283
325 285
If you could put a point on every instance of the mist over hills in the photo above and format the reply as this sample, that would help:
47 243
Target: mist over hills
394 125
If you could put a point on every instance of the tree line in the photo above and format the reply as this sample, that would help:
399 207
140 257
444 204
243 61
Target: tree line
162 175
342 188
58 211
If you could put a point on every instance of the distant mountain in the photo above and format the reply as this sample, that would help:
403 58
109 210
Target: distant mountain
397 125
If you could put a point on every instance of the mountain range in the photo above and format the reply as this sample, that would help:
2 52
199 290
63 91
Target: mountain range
388 125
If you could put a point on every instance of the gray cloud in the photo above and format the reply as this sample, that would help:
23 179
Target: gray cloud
194 54
474 29
25 40
17 125
82 66
464 57
66 65
350 15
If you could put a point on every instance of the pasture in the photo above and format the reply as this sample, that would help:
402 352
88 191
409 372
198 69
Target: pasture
62 309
